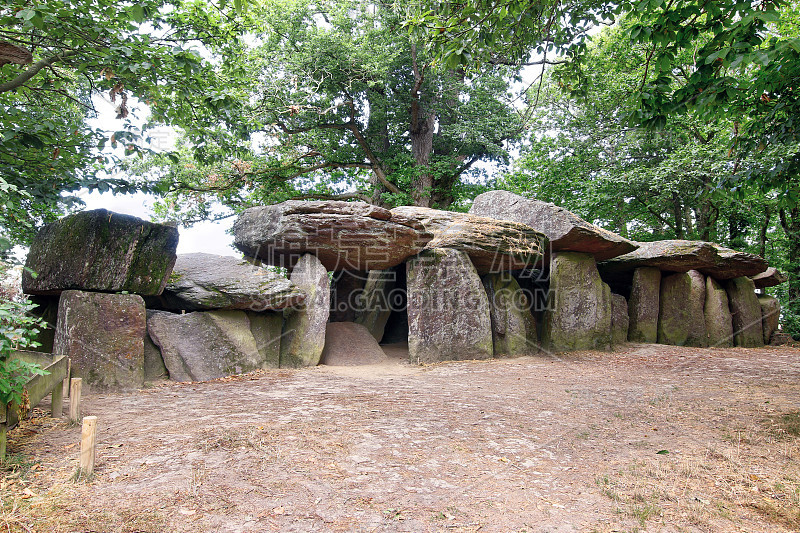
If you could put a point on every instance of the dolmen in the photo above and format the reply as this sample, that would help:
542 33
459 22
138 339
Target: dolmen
512 277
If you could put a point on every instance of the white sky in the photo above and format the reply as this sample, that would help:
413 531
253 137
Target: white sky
208 237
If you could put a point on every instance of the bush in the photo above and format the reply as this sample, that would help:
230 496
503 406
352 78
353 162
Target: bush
18 330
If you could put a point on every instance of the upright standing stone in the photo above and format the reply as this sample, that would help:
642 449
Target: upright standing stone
578 315
376 303
745 312
698 336
304 329
205 345
717 313
643 305
619 319
513 325
770 316
267 329
154 367
347 287
101 251
674 316
103 335
448 311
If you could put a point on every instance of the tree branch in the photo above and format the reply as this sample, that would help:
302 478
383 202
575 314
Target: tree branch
34 69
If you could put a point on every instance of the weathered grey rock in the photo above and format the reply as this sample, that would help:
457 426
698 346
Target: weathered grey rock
154 367
448 311
343 235
513 325
493 245
697 334
565 230
377 301
681 256
101 251
769 278
674 316
643 305
719 324
204 345
202 281
304 329
733 264
267 329
578 315
347 288
745 312
770 316
348 343
619 319
103 335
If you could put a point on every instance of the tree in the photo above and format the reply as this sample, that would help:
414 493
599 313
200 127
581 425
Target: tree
56 58
682 180
334 100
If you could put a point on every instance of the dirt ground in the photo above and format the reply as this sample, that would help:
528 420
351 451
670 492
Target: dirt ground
649 438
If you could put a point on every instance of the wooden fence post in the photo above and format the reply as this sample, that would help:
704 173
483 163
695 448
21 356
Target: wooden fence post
66 381
75 399
88 444
57 401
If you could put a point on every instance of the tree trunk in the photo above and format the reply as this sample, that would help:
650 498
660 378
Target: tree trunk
706 214
677 211
791 226
762 237
737 227
421 133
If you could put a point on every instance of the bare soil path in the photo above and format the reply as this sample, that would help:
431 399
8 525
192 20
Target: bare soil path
650 438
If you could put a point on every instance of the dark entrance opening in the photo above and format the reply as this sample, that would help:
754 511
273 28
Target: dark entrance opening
396 330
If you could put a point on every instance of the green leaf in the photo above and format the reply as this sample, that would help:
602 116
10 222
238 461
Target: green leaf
137 13
662 452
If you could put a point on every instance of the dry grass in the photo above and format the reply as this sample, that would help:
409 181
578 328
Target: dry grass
731 482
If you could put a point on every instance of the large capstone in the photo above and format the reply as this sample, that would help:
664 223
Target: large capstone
643 305
343 235
103 335
675 316
770 316
719 324
619 319
448 311
745 312
378 299
348 343
493 245
100 251
513 325
769 278
304 329
566 231
578 315
681 256
205 345
202 281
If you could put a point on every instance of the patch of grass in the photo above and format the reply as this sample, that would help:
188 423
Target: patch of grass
16 465
787 424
